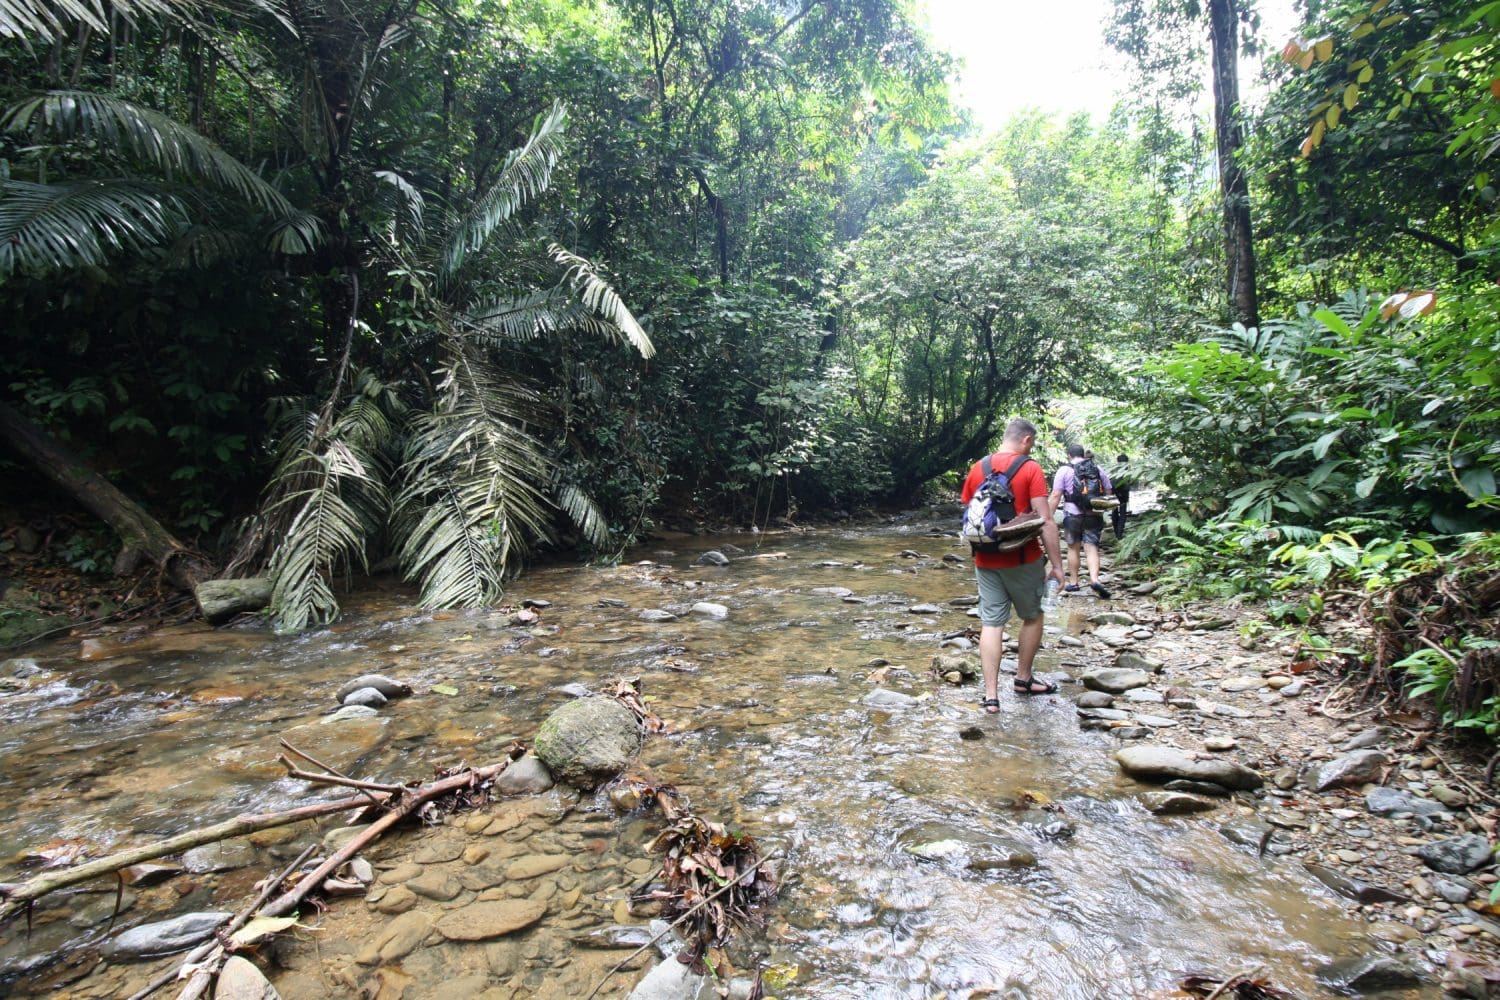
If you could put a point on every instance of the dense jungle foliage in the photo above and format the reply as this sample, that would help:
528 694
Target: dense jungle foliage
433 283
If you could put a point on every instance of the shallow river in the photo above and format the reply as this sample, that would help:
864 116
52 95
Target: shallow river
180 728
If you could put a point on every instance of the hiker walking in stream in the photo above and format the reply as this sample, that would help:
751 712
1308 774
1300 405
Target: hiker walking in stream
1122 493
1075 486
1013 512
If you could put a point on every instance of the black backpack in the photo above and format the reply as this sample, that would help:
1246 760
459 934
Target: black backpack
1087 485
993 509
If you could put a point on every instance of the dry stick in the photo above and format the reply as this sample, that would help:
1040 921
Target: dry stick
240 920
706 900
293 771
1230 981
315 762
416 798
20 895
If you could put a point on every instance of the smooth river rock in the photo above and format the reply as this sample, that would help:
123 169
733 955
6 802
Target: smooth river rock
886 698
380 682
1157 763
527 776
368 697
1174 803
1115 680
708 609
1352 769
241 980
165 936
1457 855
1385 801
482 921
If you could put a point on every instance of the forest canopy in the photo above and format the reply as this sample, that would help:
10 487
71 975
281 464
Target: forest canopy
435 283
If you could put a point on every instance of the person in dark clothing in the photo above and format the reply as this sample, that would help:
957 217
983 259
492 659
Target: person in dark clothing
1122 494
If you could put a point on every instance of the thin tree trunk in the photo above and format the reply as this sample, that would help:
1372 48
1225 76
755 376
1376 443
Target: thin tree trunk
1239 251
140 533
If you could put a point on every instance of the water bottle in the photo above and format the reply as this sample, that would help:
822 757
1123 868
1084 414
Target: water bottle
1049 602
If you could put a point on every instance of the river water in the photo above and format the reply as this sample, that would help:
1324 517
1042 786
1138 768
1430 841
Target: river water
1094 896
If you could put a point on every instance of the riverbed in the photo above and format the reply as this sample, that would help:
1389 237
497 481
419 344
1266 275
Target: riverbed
1093 896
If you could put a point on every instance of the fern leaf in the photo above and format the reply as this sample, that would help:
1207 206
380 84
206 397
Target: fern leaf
53 20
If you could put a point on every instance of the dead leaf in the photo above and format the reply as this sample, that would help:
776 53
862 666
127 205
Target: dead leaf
259 928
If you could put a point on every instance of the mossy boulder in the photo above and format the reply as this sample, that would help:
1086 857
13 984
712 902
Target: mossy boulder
588 741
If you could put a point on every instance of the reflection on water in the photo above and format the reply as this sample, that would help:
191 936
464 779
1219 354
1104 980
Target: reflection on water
1057 884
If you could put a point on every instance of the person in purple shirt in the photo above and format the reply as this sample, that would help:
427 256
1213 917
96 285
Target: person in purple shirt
1082 525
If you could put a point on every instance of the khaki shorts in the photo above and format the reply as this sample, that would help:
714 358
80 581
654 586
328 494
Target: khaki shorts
1019 587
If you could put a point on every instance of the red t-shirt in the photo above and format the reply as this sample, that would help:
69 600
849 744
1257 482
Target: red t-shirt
1029 484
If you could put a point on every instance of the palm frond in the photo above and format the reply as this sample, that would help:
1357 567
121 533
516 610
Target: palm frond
600 298
580 507
411 198
150 137
526 173
473 498
522 317
53 20
47 226
327 531
203 246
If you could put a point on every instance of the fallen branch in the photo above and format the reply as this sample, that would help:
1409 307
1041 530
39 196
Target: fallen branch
412 800
1232 979
293 771
674 924
20 895
205 950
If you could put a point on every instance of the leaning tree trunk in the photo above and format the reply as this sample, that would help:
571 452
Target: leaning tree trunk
141 535
1223 21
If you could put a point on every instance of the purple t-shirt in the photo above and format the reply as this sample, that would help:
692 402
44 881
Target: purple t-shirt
1066 482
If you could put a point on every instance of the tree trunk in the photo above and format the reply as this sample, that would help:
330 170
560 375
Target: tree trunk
140 533
1239 252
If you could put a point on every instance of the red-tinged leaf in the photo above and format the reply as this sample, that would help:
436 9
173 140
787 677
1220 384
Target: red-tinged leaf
1291 51
1418 304
1495 88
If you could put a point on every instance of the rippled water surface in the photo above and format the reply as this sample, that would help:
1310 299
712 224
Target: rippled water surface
179 729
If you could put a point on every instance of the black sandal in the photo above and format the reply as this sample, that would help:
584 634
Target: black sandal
990 705
1029 686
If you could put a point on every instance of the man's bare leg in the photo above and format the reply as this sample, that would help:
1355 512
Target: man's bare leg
991 645
1073 563
1092 551
1030 642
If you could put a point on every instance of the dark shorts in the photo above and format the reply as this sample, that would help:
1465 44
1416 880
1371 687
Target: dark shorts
1085 528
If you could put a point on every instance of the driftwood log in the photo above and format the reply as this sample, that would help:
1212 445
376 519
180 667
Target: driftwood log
19 895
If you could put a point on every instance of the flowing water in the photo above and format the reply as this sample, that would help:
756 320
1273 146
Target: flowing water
1090 897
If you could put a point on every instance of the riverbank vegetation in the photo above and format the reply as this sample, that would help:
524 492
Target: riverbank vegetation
434 284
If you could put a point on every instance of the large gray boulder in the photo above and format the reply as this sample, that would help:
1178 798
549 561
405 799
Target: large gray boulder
221 600
588 741
1156 763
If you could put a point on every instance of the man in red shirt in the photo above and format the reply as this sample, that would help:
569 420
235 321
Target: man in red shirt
1015 579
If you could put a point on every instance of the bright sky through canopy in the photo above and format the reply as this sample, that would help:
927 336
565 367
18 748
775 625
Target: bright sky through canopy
1049 54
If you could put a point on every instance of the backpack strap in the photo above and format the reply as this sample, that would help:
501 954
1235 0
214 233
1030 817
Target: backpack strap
1010 473
987 466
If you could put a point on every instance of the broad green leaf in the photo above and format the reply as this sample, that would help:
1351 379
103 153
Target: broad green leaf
1366 486
1331 319
447 689
1320 447
1478 481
